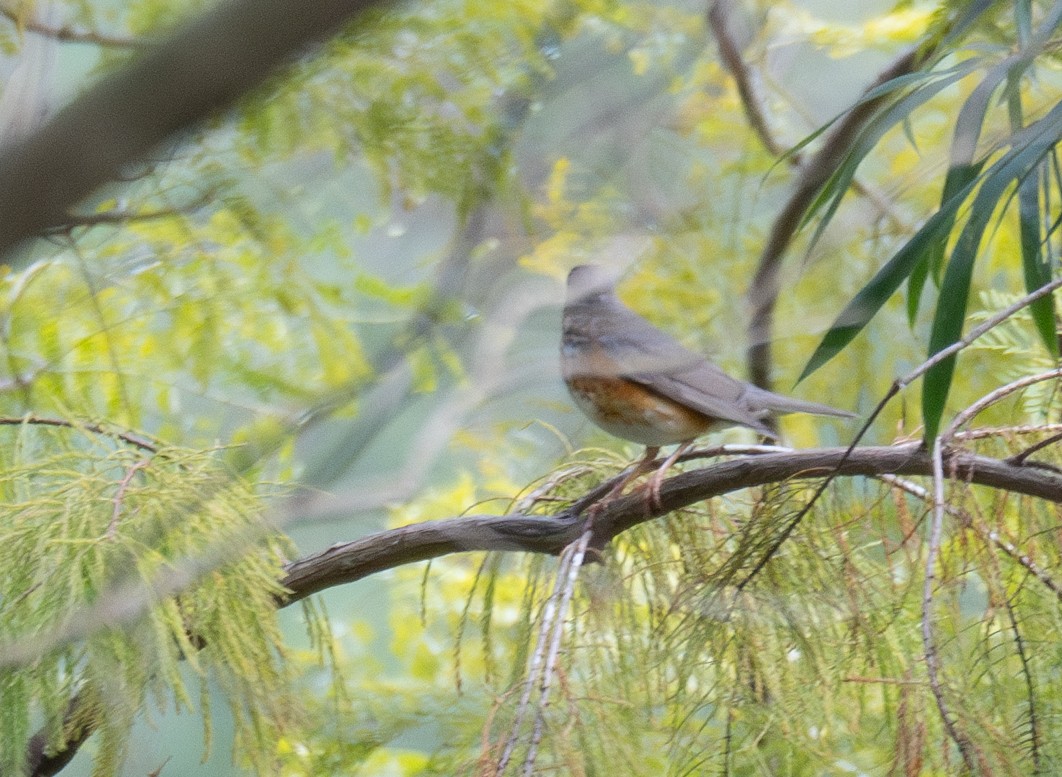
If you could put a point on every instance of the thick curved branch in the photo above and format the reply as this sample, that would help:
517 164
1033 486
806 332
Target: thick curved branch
200 70
350 561
355 560
40 762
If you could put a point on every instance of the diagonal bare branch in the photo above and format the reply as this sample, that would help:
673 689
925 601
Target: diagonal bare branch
201 69
719 13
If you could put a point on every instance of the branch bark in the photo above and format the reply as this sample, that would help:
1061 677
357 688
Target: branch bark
347 562
197 72
732 57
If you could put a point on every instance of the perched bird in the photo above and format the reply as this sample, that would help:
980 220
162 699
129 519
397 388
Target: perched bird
639 383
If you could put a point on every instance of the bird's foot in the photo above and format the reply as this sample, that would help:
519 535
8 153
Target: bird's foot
652 491
656 480
622 480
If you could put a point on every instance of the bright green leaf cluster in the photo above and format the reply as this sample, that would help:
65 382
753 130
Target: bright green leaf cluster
121 563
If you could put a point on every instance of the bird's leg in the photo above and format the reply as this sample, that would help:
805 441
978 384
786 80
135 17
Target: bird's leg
642 466
595 549
653 486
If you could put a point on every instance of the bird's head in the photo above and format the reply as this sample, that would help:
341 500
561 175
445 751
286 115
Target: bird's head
590 280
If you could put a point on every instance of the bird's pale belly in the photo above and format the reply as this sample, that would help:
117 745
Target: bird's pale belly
631 411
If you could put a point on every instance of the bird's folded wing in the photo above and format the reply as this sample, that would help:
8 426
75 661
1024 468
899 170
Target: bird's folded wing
708 390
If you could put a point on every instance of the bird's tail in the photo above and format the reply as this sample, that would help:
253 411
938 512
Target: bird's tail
776 403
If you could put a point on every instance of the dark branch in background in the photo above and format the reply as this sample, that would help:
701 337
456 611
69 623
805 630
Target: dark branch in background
719 14
68 34
123 216
127 437
77 728
197 72
763 292
348 562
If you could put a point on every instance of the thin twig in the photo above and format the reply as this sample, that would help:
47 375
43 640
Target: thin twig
1022 457
997 395
119 496
158 771
1004 431
104 328
31 420
928 640
537 660
802 513
965 416
1023 656
988 535
123 216
68 34
1025 561
977 331
538 657
882 680
554 646
566 585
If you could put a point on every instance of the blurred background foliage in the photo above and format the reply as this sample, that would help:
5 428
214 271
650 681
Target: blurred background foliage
350 285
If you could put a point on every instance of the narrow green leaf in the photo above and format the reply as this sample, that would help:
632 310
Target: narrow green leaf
1023 21
971 116
957 181
840 182
883 285
1035 266
908 132
1030 147
883 89
899 82
964 22
915 284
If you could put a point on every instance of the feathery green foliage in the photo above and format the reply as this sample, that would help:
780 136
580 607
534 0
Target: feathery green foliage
93 528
